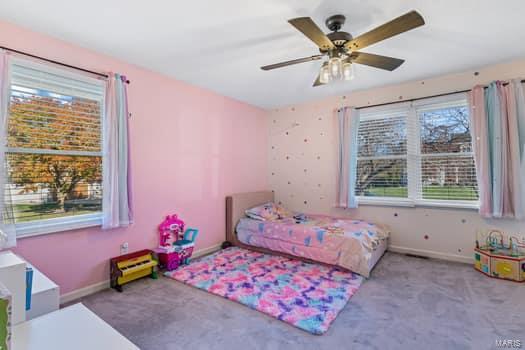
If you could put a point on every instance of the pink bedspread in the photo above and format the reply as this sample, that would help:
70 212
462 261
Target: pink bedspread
341 242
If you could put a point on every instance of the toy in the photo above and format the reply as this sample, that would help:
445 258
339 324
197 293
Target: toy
132 266
495 259
185 245
175 244
169 230
179 253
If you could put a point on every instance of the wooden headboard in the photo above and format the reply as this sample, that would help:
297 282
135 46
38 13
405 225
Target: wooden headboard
236 204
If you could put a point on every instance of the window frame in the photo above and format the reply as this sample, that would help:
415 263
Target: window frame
414 156
72 222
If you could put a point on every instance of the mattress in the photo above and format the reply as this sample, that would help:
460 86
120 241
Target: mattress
355 245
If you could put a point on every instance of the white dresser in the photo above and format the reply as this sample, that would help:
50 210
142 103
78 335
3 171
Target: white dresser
74 327
13 277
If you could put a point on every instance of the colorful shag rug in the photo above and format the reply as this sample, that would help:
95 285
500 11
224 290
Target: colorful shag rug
307 296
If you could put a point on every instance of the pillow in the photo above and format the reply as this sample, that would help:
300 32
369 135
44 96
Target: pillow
268 212
263 212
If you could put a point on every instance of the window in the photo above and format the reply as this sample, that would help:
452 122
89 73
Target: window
417 153
54 153
382 156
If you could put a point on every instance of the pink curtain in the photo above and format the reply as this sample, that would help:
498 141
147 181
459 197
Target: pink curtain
480 144
347 120
117 200
498 123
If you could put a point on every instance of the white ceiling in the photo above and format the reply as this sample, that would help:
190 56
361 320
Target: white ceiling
220 44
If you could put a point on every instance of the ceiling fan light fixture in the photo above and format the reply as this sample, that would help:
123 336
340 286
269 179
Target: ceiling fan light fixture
344 50
324 74
348 71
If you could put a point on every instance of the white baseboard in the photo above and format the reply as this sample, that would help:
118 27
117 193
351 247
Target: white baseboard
82 292
97 287
206 251
431 254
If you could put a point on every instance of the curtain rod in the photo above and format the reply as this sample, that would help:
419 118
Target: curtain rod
57 62
422 98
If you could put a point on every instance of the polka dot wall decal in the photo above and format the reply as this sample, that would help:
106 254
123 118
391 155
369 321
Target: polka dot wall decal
287 157
305 140
305 202
318 185
322 134
305 170
318 157
273 174
286 133
289 182
274 121
280 203
320 118
476 73
400 97
293 108
273 147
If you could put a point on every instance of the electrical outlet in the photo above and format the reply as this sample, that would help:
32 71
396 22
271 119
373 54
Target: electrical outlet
124 248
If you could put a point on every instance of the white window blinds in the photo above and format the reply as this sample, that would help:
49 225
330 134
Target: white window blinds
54 156
382 155
420 152
447 161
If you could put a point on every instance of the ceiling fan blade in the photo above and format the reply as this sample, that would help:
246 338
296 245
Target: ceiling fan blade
377 61
289 63
308 27
396 26
317 81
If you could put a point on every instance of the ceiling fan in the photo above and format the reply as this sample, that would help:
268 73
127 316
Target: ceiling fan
342 48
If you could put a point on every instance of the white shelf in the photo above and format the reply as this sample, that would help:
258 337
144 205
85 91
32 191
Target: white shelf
45 295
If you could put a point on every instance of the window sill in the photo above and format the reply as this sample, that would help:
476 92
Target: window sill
42 227
386 201
448 204
403 202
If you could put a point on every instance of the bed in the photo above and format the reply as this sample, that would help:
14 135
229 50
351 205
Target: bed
355 245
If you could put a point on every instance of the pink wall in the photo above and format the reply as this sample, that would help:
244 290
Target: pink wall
190 148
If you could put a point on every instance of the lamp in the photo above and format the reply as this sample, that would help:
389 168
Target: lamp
348 71
324 74
336 67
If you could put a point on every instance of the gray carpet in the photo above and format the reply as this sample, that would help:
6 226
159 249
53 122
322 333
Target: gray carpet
408 303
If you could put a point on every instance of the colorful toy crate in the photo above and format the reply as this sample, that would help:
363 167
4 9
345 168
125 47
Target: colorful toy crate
497 259
500 264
